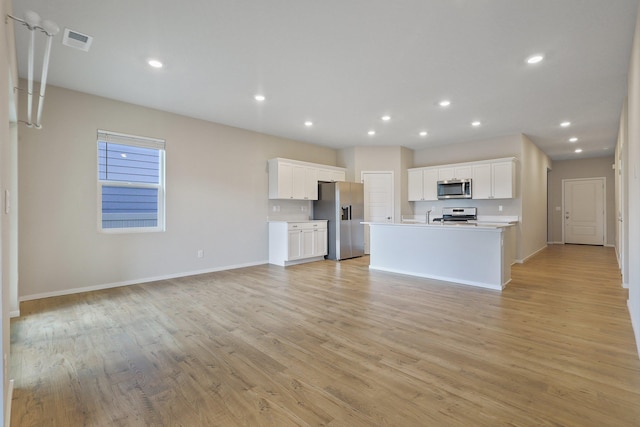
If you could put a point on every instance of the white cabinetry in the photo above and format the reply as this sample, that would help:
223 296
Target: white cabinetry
491 179
297 242
455 172
331 175
495 180
291 179
423 184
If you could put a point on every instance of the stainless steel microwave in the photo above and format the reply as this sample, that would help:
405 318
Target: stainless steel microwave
454 189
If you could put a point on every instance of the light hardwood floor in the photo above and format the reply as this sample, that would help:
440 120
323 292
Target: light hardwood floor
334 344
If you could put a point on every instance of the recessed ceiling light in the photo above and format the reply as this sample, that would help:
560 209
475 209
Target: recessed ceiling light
476 123
308 123
565 124
573 139
155 63
578 150
444 103
386 118
423 133
534 59
259 98
371 132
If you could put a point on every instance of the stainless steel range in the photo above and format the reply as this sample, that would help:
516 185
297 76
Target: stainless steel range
458 215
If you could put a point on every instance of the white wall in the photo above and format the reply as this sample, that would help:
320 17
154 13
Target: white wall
506 146
216 196
533 189
632 176
576 169
370 158
622 196
8 222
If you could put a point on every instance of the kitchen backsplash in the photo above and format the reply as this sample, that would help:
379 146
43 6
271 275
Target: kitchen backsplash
289 210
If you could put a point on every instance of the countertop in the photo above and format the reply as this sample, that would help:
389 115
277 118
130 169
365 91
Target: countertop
296 220
452 225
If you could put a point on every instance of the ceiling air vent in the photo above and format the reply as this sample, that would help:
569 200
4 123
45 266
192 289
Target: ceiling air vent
76 40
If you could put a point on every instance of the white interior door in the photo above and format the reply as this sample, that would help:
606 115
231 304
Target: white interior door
378 200
583 201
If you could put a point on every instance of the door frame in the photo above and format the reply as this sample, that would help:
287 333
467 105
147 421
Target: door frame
604 205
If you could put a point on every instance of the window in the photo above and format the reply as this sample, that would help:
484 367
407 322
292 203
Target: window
130 183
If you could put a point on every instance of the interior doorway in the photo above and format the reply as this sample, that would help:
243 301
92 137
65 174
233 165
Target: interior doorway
378 200
584 213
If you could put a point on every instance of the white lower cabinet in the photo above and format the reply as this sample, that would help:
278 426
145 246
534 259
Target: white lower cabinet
297 242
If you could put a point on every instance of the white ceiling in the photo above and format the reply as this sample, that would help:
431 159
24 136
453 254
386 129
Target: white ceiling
345 63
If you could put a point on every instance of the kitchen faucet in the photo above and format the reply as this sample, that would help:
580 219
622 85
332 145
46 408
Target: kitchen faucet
427 215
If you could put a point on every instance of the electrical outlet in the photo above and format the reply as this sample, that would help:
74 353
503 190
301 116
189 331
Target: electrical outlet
499 208
200 253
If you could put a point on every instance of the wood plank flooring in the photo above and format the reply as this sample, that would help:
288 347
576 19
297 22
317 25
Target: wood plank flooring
334 344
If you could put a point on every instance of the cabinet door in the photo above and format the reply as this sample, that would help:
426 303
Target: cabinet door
298 182
339 176
464 172
330 175
414 185
295 244
311 184
481 182
307 242
455 172
430 184
446 173
320 241
284 178
503 180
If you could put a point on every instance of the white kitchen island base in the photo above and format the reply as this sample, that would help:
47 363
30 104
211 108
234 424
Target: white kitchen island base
466 254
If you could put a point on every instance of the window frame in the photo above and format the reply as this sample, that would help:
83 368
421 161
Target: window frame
133 141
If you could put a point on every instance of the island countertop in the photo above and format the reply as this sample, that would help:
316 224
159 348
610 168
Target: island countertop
477 255
451 224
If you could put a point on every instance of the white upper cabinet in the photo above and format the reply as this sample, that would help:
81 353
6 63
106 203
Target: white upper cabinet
504 180
455 172
481 181
422 184
331 175
495 180
490 179
295 180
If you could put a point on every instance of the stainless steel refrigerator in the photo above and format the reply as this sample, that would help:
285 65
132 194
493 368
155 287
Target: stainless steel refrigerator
342 204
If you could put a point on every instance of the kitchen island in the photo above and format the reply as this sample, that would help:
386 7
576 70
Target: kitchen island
469 254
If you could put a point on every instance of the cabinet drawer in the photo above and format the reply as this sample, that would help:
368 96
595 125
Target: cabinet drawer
292 226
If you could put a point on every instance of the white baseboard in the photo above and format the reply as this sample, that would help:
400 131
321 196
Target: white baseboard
525 259
15 313
555 243
135 281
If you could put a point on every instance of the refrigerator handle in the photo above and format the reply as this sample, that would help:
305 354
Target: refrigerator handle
350 217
